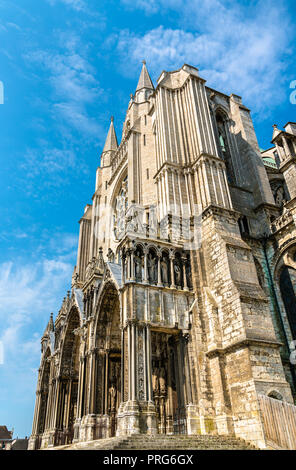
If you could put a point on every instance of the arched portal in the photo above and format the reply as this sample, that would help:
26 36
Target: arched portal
168 382
108 377
288 291
69 377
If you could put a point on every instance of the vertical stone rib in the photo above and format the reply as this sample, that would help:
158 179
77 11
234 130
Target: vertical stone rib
182 160
199 116
192 125
189 125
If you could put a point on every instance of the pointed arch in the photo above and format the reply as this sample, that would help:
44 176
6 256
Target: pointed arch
108 343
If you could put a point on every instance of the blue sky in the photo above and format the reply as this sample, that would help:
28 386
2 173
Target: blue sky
66 67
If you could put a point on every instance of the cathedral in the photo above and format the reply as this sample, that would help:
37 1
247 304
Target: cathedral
182 311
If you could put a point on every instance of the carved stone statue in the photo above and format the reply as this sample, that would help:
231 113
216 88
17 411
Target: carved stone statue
177 271
188 274
110 256
279 196
162 381
138 266
113 393
164 271
152 268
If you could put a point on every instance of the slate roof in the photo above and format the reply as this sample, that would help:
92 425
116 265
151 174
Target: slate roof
4 433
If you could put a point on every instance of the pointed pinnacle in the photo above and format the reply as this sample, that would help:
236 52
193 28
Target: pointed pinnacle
144 80
111 139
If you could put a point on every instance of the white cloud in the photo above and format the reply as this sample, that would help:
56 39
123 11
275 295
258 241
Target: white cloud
237 48
73 83
52 168
78 5
28 293
149 7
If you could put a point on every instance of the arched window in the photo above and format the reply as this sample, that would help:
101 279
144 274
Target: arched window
224 145
275 395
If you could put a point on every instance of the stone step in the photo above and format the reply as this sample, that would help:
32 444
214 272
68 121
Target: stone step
162 442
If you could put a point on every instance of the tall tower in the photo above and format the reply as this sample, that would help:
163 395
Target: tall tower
171 324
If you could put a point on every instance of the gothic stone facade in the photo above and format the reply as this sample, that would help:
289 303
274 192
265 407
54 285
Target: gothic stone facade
182 307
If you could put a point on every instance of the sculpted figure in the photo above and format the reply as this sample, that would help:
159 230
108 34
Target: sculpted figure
138 266
162 381
279 199
177 271
188 274
151 263
155 386
164 271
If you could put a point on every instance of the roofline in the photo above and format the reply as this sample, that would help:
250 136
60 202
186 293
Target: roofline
268 149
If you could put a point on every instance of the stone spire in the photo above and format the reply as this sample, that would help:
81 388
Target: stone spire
49 327
111 140
144 80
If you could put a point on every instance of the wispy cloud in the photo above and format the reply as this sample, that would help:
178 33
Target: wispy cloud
235 48
29 291
78 5
149 7
46 167
74 86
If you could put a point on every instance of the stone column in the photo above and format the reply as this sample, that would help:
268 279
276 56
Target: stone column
129 339
133 364
57 403
145 280
122 364
172 257
80 389
187 371
106 382
159 284
184 261
148 363
91 405
128 266
132 264
49 399
69 393
122 269
36 414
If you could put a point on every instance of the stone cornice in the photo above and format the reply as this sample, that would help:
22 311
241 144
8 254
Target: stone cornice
220 211
243 343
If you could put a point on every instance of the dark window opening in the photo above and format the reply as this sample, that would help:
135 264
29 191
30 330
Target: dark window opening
287 287
224 147
243 225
